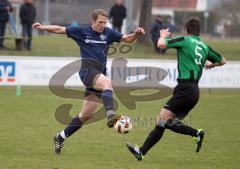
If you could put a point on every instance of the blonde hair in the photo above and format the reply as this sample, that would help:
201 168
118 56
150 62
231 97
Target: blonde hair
98 12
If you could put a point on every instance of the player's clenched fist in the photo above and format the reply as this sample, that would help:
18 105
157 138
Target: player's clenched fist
139 31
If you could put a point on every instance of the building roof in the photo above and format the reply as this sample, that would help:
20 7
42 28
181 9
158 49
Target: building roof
186 4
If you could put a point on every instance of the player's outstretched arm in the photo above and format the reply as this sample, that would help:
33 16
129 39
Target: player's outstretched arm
132 37
164 33
210 65
50 28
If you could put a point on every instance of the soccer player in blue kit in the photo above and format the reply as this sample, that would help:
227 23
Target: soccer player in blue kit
94 41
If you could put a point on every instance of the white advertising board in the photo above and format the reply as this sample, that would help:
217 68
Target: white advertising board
37 71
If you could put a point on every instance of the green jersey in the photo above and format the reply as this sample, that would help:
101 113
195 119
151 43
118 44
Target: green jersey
192 54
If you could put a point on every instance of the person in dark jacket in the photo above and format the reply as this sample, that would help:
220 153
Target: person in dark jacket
155 33
27 16
5 8
117 14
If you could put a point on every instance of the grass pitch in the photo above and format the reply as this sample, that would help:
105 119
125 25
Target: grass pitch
28 124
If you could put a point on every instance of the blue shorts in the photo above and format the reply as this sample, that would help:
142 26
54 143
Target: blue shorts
89 70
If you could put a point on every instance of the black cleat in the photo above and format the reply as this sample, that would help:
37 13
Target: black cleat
113 120
199 139
58 144
135 150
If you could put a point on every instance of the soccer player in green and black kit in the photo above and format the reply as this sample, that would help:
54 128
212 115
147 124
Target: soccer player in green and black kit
193 55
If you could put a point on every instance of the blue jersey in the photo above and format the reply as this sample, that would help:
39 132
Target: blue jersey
93 45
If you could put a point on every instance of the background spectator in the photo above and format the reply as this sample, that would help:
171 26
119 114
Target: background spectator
5 8
170 25
27 16
155 32
117 14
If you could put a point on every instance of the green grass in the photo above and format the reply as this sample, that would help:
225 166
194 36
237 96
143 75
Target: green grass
28 124
45 46
63 46
228 48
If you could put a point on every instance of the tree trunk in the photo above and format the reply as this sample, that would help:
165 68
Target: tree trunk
145 21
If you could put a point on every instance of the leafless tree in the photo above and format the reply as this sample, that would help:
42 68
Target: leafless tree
145 21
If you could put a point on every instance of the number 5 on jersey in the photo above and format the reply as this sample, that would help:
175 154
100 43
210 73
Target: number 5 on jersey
198 55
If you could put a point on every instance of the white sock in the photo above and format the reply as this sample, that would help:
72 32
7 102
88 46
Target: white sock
62 134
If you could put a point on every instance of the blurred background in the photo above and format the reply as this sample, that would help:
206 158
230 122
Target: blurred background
220 23
220 18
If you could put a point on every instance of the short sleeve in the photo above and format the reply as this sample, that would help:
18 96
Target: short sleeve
73 31
114 36
213 56
175 42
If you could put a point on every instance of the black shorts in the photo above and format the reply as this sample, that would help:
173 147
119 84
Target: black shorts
89 70
185 97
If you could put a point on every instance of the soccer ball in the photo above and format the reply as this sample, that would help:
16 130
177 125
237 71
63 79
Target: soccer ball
123 125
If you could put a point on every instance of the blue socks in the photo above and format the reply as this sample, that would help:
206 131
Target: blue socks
74 126
107 98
